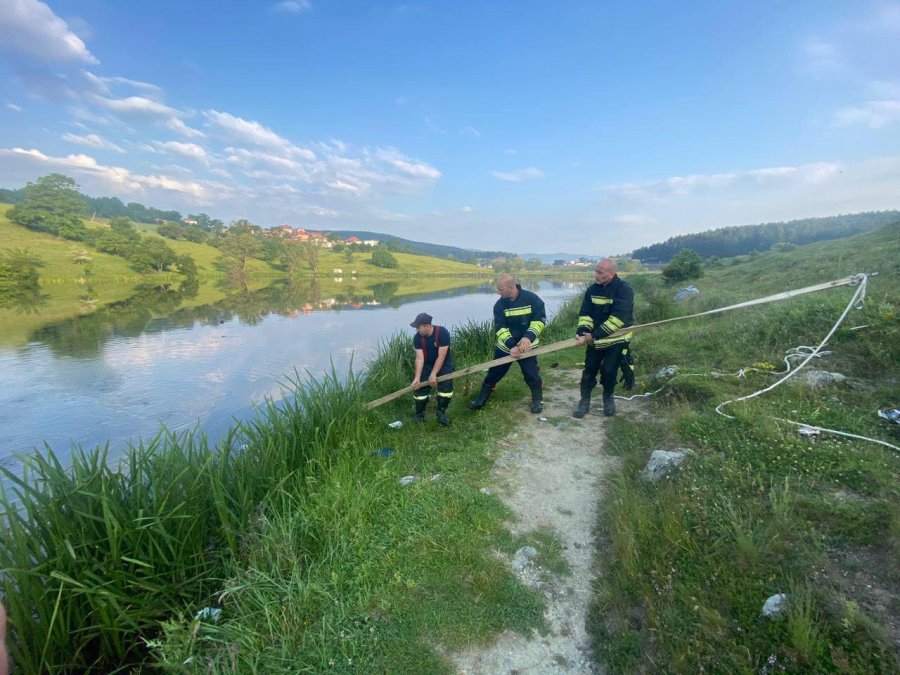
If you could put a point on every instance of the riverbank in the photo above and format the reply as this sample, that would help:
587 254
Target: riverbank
298 548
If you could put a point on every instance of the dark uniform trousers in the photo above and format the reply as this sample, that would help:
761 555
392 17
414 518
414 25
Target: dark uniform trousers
529 367
445 388
604 361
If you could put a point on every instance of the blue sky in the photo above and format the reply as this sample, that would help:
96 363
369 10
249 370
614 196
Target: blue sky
588 127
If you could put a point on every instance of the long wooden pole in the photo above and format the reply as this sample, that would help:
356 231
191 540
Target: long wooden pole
564 344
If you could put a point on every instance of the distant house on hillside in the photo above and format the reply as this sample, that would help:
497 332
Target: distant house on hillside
299 234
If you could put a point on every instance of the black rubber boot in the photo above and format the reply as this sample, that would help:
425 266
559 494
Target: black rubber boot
584 405
442 404
420 409
609 405
537 403
482 398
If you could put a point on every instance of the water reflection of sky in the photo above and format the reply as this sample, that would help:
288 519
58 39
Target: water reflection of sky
207 373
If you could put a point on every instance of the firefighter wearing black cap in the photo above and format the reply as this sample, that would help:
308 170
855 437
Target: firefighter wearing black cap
519 319
432 347
608 306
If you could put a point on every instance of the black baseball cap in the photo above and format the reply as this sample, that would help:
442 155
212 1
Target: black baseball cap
422 319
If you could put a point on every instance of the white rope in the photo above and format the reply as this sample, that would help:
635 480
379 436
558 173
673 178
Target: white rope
855 301
811 353
806 353
838 433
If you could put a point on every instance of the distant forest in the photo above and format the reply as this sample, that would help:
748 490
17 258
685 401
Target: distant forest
726 242
105 207
423 248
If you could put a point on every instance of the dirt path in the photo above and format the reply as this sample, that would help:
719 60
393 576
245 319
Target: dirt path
550 477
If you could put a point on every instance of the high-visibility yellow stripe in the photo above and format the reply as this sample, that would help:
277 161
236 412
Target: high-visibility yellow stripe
445 394
618 323
601 301
606 342
503 335
536 326
517 311
586 321
419 397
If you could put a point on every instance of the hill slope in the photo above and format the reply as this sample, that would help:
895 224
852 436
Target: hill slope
727 242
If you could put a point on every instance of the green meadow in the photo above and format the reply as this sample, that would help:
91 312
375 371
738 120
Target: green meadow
298 533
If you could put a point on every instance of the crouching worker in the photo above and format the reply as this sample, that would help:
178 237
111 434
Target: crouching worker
432 347
607 307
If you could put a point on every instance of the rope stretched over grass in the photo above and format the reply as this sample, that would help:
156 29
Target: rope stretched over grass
846 281
811 353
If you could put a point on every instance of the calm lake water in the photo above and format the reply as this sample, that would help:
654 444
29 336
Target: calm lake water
127 370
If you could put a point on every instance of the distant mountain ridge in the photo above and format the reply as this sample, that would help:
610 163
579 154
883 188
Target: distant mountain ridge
421 247
726 242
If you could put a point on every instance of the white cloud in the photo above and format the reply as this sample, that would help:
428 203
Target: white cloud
190 150
404 165
180 127
659 191
633 219
13 106
471 132
82 113
344 187
293 6
467 209
30 28
246 130
105 85
119 180
519 175
93 141
873 114
138 106
682 204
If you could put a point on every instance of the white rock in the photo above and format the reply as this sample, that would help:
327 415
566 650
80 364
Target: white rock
775 605
663 461
821 378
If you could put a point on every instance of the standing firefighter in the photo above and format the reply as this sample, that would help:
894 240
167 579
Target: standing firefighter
608 306
519 318
432 347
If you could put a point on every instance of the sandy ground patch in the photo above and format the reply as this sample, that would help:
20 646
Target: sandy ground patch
550 475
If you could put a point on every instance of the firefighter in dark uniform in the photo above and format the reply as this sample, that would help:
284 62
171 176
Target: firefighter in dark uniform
608 306
519 319
432 347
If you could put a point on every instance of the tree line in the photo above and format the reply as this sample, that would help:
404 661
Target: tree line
727 242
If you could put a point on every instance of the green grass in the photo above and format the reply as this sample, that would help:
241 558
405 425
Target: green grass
758 509
321 562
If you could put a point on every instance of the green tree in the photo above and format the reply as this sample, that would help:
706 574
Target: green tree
292 257
19 279
311 250
187 266
241 243
52 204
382 257
533 264
152 254
686 264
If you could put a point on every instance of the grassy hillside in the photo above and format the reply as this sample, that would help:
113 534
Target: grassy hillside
62 281
760 509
